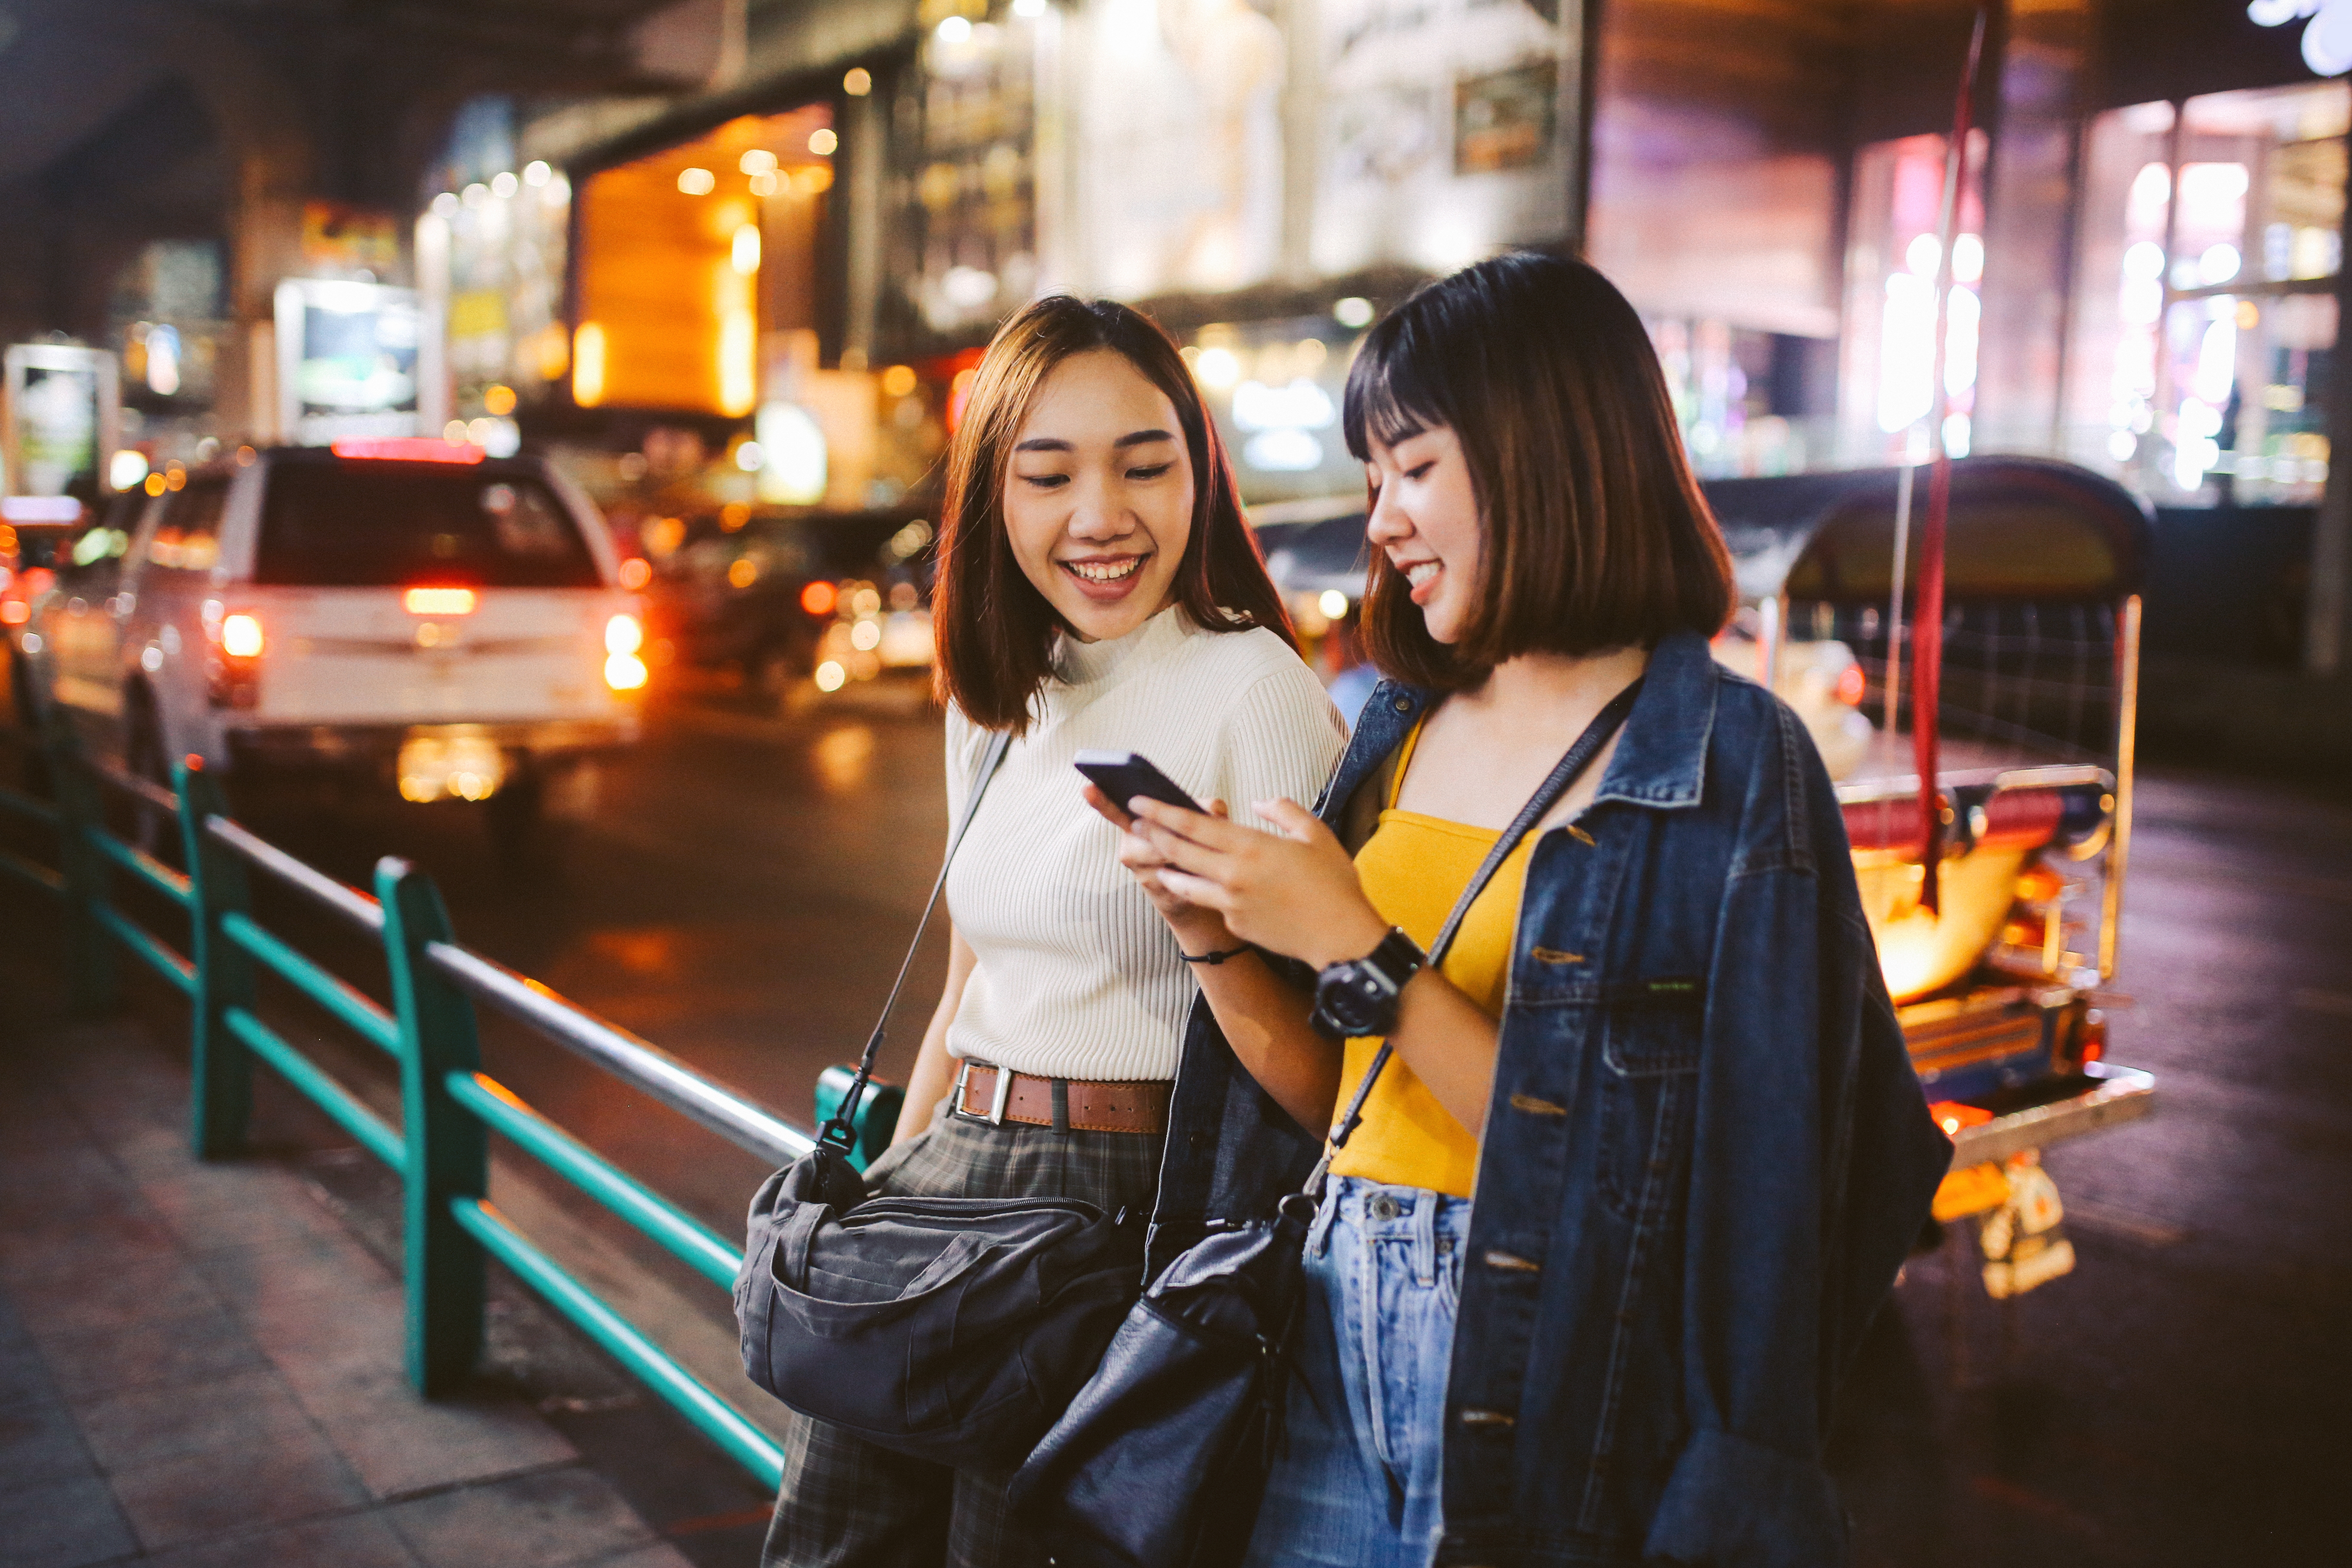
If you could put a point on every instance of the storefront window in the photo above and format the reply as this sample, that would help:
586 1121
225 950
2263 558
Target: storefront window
1748 402
965 250
504 241
1892 263
1274 389
2205 316
1190 89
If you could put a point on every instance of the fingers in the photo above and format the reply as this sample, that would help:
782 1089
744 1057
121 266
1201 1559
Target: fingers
1217 810
1212 832
1137 854
1196 890
1175 850
1105 807
1294 819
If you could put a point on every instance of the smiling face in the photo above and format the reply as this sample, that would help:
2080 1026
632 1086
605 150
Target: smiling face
1099 495
1426 520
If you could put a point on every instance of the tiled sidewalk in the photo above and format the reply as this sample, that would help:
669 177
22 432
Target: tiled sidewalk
200 1367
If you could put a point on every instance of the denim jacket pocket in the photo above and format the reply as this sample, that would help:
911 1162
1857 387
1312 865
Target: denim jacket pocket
1649 1055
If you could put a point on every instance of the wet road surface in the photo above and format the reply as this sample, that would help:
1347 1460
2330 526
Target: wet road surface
2179 1398
743 890
741 896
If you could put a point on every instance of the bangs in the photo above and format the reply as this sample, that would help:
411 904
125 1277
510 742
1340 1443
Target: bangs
1389 398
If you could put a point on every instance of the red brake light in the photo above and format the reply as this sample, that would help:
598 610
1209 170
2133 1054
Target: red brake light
1851 685
407 449
819 597
241 636
439 601
636 573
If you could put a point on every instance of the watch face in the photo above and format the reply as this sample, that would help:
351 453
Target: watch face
1354 996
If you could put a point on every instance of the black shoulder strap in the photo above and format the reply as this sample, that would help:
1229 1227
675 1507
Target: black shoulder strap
1563 773
838 1130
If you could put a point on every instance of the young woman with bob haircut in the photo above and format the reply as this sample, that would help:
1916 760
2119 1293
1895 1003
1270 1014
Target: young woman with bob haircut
1098 588
1650 1149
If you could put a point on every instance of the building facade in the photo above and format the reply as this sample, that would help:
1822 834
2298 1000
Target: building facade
2145 269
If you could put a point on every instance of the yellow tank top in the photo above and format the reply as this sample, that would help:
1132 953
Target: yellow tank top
1413 869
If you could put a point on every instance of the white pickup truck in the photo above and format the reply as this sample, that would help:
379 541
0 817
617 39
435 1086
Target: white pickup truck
406 617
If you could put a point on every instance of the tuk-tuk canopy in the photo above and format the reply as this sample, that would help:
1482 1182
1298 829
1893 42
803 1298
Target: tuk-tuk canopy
2020 527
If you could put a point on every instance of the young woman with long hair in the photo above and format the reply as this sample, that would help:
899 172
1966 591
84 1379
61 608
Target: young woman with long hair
1098 588
1650 1150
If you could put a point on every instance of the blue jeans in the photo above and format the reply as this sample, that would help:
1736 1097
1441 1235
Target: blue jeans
1356 1484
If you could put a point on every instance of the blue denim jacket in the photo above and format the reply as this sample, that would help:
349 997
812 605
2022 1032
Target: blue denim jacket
1705 1151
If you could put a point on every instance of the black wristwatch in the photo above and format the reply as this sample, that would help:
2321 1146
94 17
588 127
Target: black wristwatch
1359 995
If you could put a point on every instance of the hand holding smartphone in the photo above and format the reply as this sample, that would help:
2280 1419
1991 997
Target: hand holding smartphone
1123 775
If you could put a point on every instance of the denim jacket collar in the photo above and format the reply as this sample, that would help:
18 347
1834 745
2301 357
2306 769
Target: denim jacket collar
1660 761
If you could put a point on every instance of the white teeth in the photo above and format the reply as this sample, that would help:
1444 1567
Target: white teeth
1420 572
1100 571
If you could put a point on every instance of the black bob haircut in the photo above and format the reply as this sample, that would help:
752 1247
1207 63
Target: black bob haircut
1596 535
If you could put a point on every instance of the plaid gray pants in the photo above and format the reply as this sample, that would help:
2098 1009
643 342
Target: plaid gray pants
847 1504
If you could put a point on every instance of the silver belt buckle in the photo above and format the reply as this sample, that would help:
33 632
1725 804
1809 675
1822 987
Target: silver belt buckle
997 1100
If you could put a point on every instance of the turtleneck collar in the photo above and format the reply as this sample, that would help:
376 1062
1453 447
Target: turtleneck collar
1079 663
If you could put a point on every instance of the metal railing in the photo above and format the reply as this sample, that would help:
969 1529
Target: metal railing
449 1107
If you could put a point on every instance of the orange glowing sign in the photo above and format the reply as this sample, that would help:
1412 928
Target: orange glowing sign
687 257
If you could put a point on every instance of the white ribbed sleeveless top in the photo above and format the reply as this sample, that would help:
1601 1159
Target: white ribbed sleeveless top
1077 975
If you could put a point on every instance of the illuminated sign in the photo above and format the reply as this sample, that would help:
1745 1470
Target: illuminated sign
688 254
58 417
1441 135
346 360
1436 133
339 238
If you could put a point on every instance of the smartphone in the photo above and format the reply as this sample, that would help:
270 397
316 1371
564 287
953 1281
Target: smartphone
1123 775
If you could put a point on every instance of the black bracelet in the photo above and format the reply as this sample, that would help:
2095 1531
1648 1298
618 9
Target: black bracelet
1213 958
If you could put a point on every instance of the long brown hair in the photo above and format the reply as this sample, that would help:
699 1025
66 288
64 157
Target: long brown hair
996 631
1596 534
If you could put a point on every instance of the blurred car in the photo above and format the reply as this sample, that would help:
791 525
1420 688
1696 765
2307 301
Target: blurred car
785 599
39 534
405 615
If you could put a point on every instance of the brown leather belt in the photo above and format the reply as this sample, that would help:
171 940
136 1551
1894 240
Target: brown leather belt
984 1093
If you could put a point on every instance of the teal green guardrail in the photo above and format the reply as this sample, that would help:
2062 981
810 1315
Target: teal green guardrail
448 1105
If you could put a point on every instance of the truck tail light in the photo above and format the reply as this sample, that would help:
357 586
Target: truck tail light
241 637
623 670
439 601
819 598
2093 1036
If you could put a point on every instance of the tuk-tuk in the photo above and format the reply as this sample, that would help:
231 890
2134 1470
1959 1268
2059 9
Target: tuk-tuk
2000 990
